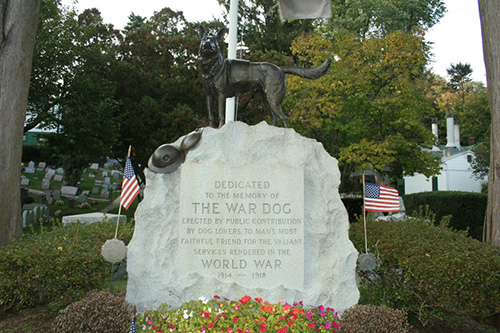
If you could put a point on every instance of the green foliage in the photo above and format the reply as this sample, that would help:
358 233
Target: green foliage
55 267
99 312
373 319
245 315
366 110
428 270
375 17
466 208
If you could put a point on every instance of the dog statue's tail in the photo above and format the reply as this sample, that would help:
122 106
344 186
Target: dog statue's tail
309 73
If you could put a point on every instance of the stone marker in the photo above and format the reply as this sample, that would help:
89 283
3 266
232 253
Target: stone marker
30 168
95 190
45 184
48 197
48 176
25 182
56 194
252 211
94 166
57 213
92 218
42 165
28 217
60 171
105 173
82 198
116 175
105 193
107 180
51 171
69 190
58 178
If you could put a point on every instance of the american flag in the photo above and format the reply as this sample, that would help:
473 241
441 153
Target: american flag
132 326
380 198
130 186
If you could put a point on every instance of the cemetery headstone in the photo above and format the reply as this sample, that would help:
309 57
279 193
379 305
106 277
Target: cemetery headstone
57 213
56 194
51 171
48 176
107 180
48 197
116 175
45 184
95 190
98 183
42 165
30 168
58 178
82 198
60 171
86 192
94 166
28 217
105 194
69 190
25 182
253 210
105 173
90 218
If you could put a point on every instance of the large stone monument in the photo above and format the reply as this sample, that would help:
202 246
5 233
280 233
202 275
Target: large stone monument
253 210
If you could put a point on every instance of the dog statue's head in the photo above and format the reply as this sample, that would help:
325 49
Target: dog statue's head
210 44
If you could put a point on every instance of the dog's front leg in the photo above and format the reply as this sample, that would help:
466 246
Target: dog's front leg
222 110
210 108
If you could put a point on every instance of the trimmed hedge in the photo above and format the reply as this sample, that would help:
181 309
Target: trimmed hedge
467 208
56 267
428 270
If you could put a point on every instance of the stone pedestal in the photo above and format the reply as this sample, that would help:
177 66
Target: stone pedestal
253 210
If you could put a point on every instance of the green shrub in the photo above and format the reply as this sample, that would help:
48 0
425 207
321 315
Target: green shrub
373 319
57 266
427 269
100 312
467 208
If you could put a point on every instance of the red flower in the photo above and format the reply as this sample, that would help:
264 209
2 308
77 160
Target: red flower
154 327
311 325
244 300
217 297
262 327
211 324
259 299
235 319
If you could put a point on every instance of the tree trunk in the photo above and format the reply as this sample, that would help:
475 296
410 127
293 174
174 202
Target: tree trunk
490 26
18 23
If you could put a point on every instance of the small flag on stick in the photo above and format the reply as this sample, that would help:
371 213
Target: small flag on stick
130 186
380 198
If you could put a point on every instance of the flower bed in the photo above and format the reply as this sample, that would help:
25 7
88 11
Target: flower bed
244 316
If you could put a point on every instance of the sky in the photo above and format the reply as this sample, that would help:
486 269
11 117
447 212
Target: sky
456 38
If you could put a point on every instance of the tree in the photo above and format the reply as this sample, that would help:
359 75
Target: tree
157 76
53 60
86 113
490 26
366 18
366 110
18 23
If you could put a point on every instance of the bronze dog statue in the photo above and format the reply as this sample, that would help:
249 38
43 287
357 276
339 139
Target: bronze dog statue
224 78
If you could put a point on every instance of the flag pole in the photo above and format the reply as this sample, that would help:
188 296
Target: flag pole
120 202
231 53
364 213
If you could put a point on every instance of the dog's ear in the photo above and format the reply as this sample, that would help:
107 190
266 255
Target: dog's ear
201 31
221 34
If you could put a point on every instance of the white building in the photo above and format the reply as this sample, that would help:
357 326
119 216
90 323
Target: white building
456 171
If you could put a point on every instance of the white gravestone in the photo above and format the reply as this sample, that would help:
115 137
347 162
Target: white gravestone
253 210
